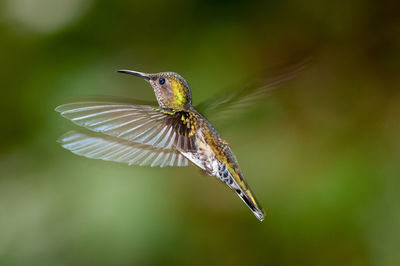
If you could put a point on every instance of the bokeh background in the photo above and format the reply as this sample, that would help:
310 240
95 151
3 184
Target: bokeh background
321 153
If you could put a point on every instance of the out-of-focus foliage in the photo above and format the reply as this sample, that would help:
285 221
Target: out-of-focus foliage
322 154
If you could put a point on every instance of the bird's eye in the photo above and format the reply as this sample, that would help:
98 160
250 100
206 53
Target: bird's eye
161 81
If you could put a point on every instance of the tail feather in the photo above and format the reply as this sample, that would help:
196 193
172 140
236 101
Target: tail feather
252 203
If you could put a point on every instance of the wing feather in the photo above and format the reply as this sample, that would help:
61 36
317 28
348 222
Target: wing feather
230 105
113 149
138 123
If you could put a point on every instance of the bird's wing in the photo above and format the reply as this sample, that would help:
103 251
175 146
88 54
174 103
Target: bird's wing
228 105
137 123
95 146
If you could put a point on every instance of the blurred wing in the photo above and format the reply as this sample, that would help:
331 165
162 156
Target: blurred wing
138 123
113 149
223 107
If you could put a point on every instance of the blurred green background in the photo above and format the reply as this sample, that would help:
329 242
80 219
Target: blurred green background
321 154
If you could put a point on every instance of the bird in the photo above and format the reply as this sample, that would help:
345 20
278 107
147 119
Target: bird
171 132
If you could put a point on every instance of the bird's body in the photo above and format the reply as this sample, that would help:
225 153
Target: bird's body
214 156
167 135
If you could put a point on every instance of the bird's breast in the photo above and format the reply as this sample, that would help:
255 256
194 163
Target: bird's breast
211 149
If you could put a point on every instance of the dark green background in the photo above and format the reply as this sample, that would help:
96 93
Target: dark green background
321 154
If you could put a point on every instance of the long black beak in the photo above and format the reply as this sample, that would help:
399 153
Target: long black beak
136 73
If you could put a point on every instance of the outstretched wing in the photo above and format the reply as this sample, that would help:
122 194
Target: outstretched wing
136 123
225 106
108 148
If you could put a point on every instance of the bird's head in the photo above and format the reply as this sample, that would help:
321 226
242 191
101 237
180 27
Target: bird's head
171 89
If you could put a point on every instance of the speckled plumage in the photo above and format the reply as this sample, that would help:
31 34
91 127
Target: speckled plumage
215 157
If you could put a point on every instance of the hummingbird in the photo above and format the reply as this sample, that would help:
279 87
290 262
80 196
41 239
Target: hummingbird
170 133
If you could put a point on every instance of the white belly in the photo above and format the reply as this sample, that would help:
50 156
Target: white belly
203 157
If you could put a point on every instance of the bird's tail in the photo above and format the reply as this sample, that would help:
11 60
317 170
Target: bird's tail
251 202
